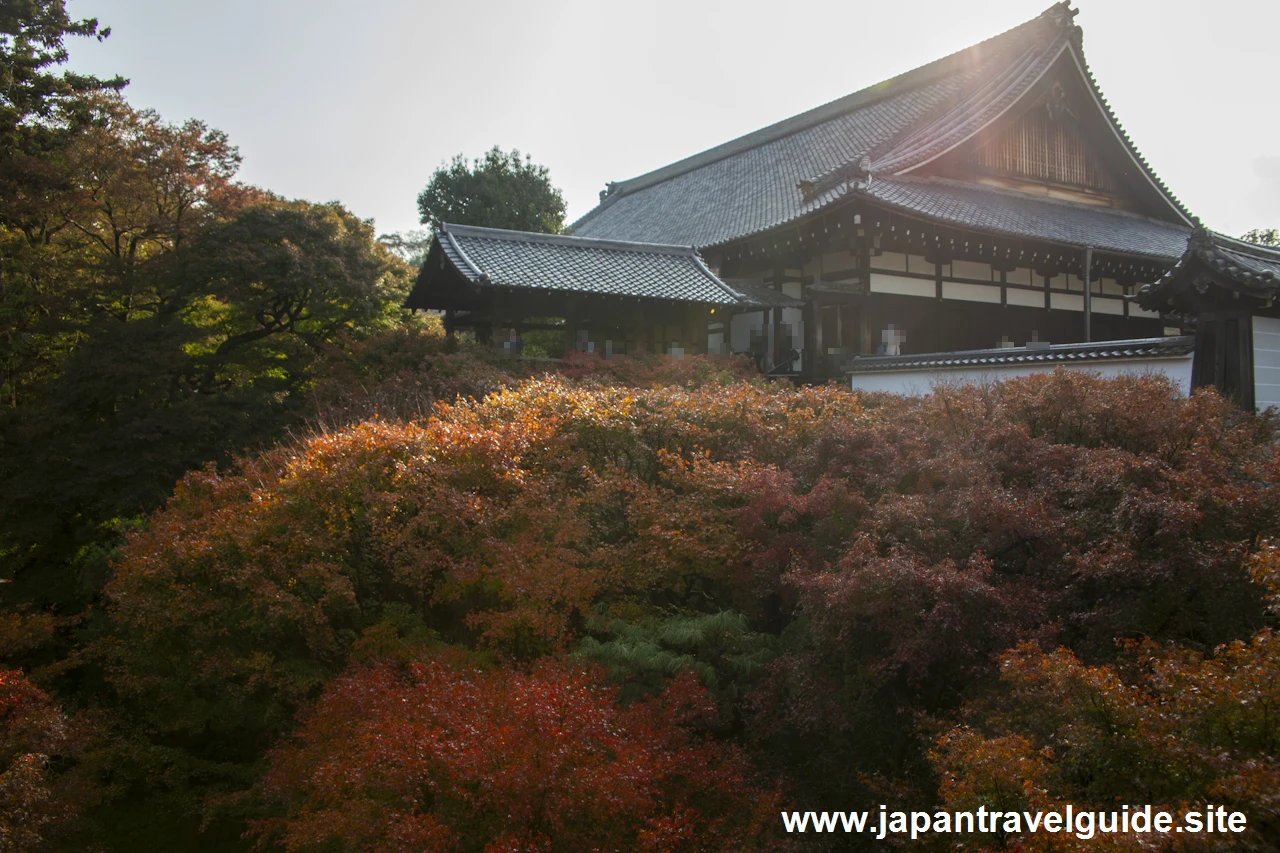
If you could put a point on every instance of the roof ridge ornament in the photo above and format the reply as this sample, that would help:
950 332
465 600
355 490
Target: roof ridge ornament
850 176
1061 13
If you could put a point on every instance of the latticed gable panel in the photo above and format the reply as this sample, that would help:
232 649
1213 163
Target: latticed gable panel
1044 147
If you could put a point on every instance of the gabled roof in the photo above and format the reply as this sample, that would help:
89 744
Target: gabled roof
491 257
791 169
1211 258
1074 354
1021 215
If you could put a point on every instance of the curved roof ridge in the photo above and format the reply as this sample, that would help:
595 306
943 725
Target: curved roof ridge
907 81
1024 215
523 260
477 273
1077 53
997 96
1235 244
935 180
567 239
1248 267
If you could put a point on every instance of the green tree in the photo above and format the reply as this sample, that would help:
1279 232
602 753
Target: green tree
219 359
37 105
138 187
500 190
409 246
42 113
1262 236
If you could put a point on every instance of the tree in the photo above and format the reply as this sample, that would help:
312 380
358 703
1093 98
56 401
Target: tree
35 738
500 190
926 539
409 246
450 758
35 99
1164 725
42 114
1263 237
140 188
203 346
494 525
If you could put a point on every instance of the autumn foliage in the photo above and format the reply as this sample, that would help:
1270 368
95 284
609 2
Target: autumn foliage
1164 725
437 757
414 594
832 567
34 736
862 587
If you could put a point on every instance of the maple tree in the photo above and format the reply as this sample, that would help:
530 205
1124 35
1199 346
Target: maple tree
1063 509
443 756
832 568
497 524
36 797
1165 725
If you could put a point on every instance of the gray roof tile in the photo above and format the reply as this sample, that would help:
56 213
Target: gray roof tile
1032 217
780 173
758 188
517 259
1242 266
1086 353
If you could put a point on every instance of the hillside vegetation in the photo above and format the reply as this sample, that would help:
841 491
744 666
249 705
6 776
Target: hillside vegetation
699 596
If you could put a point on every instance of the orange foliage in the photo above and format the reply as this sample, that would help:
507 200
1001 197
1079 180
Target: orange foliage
1164 726
501 523
915 539
443 758
34 734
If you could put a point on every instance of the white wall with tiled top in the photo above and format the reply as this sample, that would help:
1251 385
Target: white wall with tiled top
923 380
1266 362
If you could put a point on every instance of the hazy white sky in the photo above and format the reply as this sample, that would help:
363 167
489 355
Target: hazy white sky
360 102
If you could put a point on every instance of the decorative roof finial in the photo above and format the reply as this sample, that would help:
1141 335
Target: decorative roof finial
1061 14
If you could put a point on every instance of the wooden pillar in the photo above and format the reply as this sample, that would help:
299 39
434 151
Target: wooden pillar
815 355
1088 294
571 320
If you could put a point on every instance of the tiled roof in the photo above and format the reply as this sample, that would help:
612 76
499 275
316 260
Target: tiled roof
757 188
1089 353
518 259
1021 215
1245 267
521 259
780 173
758 293
1246 262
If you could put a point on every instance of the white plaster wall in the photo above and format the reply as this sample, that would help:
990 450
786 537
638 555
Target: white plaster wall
971 269
894 261
1266 362
971 292
741 327
1026 298
1067 301
902 285
913 382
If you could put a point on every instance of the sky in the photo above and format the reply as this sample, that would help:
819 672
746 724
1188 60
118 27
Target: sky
361 102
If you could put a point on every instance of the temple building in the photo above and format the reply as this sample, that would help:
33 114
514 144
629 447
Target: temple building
987 205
